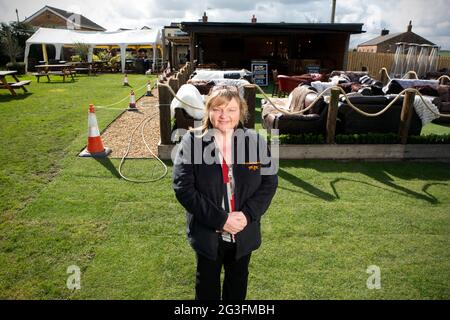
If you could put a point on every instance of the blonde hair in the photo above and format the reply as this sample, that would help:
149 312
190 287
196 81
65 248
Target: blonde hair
220 95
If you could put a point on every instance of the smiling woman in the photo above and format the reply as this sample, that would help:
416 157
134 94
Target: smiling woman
225 200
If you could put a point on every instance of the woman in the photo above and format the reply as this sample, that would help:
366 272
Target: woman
225 194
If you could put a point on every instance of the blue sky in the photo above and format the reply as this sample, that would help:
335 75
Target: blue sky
430 18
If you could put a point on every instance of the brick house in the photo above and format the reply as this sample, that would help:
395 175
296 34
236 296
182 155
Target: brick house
51 17
385 43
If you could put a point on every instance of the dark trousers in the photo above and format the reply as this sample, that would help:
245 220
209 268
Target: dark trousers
207 285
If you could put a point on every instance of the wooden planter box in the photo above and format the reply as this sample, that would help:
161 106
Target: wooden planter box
383 152
367 151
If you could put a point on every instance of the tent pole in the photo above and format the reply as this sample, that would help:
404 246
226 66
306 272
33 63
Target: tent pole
123 51
44 53
58 48
154 57
90 53
27 52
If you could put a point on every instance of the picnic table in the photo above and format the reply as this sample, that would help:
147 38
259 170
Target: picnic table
4 84
84 67
46 70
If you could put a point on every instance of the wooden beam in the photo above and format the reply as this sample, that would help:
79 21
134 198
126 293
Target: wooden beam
332 115
165 99
384 77
174 83
250 98
406 116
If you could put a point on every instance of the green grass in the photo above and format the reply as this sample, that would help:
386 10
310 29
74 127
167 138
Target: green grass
328 223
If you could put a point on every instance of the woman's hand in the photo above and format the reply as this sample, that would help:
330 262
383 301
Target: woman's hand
236 222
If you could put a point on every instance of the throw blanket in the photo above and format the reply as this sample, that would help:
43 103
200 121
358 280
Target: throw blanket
219 74
297 98
295 102
322 86
232 82
191 95
423 112
398 85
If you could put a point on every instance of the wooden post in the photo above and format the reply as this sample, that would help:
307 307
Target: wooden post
405 116
184 75
332 115
250 98
181 76
177 76
174 83
165 99
383 77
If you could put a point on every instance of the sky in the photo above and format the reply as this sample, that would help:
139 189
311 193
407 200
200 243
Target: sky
429 18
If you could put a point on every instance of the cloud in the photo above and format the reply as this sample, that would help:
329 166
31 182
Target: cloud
430 18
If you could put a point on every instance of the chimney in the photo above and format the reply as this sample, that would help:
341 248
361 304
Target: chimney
410 26
384 32
205 17
253 19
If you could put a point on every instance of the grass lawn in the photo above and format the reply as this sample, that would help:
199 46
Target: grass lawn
328 223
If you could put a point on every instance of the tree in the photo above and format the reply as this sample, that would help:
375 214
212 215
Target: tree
10 45
13 37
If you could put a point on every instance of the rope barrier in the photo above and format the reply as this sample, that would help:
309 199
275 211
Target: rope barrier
179 99
322 94
404 77
443 77
144 122
113 104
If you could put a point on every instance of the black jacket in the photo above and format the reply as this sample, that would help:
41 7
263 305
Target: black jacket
200 189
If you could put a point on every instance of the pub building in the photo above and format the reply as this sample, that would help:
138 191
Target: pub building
291 48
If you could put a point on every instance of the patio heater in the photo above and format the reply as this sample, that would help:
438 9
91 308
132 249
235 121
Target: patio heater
411 58
434 59
423 60
398 68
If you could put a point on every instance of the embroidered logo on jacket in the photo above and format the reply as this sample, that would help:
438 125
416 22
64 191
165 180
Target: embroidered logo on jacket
253 166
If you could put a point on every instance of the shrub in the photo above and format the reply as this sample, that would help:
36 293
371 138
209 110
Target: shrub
75 58
18 66
368 138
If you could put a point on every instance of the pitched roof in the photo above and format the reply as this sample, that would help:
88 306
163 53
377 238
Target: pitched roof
399 37
84 22
213 27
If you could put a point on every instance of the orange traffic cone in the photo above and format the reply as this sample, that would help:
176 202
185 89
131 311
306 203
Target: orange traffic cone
149 90
95 146
125 81
132 105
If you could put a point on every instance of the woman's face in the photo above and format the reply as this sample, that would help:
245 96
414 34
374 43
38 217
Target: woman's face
226 116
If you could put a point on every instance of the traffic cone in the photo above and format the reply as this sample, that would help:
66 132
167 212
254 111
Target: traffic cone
125 81
149 90
132 105
95 146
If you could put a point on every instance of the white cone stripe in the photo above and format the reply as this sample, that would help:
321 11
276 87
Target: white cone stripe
94 132
132 99
93 126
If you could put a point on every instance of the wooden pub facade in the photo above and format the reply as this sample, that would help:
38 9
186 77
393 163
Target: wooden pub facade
291 48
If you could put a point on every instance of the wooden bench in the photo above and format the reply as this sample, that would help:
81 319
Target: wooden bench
20 84
63 74
39 75
4 84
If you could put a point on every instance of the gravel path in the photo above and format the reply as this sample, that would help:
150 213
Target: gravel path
117 135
